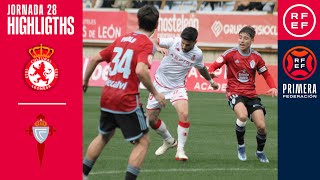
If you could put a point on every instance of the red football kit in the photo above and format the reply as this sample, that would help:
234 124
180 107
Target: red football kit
241 71
120 93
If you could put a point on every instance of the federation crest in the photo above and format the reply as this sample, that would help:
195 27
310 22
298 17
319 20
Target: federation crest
41 73
299 63
252 64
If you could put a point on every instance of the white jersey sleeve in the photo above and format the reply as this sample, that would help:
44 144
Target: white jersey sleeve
166 42
198 60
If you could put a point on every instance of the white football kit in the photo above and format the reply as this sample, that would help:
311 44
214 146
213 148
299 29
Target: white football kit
170 77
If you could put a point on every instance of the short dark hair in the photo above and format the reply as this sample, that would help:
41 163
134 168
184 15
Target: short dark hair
148 17
249 30
189 34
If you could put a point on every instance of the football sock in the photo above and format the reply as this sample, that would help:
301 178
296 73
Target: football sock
261 141
162 130
183 131
87 166
240 131
132 173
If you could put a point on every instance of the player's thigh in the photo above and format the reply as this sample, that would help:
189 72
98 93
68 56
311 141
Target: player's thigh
152 102
259 120
238 105
107 123
133 125
257 112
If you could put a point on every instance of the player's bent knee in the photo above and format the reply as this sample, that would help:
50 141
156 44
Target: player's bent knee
262 129
243 117
183 116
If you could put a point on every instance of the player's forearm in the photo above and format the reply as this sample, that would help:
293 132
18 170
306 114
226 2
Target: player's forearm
144 77
146 81
91 67
204 73
218 63
156 43
269 80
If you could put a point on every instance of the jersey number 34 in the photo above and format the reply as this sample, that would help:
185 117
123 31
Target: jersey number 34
121 65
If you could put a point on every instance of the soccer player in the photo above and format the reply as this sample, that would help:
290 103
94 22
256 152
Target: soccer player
181 54
130 57
242 63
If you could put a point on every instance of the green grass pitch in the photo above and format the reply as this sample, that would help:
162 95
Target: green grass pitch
211 145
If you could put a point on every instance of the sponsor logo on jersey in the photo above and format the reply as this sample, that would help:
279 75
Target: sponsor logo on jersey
41 73
243 76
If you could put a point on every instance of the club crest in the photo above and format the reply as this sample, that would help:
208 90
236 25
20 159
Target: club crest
41 73
40 133
40 130
252 64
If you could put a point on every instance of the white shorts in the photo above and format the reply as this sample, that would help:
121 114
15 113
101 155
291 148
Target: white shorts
171 94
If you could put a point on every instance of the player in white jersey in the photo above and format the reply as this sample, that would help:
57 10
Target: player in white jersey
181 54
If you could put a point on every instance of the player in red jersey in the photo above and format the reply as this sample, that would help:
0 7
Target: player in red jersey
242 64
130 57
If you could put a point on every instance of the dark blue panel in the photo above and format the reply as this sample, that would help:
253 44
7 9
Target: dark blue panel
299 121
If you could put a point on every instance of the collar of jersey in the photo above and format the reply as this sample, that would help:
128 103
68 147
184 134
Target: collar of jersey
250 50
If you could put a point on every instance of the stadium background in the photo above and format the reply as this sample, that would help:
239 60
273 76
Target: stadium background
212 143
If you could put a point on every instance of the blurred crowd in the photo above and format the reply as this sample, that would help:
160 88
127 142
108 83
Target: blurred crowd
187 5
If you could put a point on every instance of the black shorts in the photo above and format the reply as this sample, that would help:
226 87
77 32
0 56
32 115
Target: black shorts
251 104
133 125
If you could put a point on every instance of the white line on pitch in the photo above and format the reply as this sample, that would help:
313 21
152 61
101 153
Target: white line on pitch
42 104
187 170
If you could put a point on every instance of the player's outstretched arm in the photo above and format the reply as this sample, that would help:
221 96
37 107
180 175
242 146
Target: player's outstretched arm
218 63
89 70
273 90
204 72
162 50
144 77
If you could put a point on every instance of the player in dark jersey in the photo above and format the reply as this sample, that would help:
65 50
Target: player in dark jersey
130 57
243 63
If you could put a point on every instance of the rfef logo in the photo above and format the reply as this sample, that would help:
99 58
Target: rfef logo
299 63
299 20
41 73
